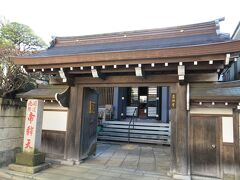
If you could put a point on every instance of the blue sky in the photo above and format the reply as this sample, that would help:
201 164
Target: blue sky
80 17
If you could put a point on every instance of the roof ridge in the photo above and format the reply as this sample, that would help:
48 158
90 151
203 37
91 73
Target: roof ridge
169 28
211 27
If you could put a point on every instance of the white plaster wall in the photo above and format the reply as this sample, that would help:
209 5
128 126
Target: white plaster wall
54 117
227 129
54 120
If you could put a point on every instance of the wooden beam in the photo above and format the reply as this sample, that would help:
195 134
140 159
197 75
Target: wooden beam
150 79
204 77
116 80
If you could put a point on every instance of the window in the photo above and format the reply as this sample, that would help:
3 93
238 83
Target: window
132 97
152 95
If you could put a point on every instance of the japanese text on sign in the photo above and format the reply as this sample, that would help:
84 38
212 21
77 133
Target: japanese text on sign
173 100
30 125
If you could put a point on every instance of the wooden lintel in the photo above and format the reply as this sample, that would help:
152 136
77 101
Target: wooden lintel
150 79
116 80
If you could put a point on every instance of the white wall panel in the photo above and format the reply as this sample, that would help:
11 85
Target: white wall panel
54 120
227 129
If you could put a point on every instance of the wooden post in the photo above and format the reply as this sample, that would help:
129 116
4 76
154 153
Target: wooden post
236 143
180 132
72 141
173 121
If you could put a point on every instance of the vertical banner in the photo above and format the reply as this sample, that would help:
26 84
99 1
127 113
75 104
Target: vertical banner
33 125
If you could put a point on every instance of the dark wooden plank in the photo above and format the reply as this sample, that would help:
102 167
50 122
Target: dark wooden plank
53 143
228 159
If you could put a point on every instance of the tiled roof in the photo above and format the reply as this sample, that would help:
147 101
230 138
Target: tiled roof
43 92
134 45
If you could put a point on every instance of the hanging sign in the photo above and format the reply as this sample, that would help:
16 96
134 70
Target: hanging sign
173 100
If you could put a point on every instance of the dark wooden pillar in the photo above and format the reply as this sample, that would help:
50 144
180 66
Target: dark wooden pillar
165 105
122 103
72 140
179 131
159 102
236 125
173 121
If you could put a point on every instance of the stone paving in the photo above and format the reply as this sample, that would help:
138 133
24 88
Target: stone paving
151 158
112 162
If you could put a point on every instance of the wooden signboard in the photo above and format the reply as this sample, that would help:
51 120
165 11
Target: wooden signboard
173 100
91 108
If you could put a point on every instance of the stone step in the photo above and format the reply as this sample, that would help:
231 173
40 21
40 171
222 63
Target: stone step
155 133
135 131
138 140
142 136
136 127
137 123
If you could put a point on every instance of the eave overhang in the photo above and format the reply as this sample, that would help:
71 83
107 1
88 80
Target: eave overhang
211 95
215 51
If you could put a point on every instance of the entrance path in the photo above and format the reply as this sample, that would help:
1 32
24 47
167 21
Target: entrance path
137 157
112 162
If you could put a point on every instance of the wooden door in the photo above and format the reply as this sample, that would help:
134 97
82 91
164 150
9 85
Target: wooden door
89 123
205 146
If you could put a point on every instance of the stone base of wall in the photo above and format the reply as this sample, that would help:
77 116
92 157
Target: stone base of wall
7 157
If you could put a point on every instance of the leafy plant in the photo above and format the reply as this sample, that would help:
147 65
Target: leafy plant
16 40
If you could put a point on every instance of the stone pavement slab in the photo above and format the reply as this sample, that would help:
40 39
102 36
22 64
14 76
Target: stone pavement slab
112 162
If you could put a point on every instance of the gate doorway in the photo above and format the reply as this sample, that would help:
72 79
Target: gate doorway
134 114
145 103
155 134
141 156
